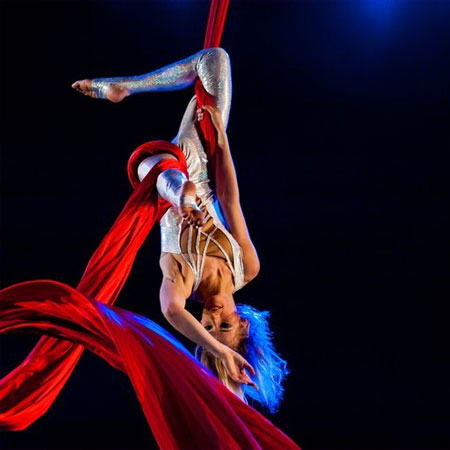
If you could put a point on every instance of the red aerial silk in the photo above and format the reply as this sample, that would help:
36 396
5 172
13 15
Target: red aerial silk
29 390
214 30
185 406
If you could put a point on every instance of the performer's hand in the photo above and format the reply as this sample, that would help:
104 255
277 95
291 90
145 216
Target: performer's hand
236 365
216 117
115 93
193 216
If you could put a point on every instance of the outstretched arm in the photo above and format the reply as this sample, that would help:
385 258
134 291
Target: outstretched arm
173 295
228 194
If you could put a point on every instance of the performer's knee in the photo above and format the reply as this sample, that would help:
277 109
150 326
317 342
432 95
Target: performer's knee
219 52
217 57
169 184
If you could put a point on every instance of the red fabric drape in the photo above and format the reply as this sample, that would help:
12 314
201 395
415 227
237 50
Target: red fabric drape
29 390
216 21
186 407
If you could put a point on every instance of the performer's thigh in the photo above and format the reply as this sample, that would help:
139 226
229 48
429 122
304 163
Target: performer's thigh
188 128
214 71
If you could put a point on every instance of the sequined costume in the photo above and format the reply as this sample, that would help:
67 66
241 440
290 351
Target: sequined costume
213 239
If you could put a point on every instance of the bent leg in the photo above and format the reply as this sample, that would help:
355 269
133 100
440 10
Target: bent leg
172 77
211 65
214 70
169 182
174 187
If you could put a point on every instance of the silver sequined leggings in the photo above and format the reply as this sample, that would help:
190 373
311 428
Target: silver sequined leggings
211 65
213 68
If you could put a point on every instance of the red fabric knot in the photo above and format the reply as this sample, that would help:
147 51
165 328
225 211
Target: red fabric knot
151 148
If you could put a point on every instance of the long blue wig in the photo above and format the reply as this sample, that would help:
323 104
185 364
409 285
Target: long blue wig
259 351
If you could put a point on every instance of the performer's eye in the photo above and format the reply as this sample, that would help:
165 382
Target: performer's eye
208 327
225 325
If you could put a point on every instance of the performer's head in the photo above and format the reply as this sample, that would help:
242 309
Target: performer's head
245 330
221 319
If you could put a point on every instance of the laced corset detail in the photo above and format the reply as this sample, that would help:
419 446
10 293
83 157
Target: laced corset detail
172 230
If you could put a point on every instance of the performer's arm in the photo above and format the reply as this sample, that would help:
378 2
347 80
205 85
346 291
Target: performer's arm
173 295
228 194
173 303
175 76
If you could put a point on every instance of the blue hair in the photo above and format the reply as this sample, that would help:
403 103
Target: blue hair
260 352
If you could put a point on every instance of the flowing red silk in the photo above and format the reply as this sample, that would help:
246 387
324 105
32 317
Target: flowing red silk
185 406
28 391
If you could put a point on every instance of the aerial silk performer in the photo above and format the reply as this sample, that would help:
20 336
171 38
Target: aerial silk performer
189 187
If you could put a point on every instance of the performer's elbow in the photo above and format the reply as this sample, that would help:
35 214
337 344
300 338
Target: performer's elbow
251 273
171 311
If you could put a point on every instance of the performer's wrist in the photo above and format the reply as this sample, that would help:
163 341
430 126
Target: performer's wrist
217 349
220 129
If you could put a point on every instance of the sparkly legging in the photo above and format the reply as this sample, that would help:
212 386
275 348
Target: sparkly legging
211 65
213 68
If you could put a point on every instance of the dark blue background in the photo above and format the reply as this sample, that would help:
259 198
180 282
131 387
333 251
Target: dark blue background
339 130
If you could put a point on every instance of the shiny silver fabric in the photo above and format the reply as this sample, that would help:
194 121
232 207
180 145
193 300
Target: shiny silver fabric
169 184
213 67
100 88
189 201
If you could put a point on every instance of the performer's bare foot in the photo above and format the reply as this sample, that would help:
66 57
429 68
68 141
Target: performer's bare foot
115 93
189 214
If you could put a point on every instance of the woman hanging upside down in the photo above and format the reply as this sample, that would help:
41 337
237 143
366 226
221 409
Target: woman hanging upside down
207 254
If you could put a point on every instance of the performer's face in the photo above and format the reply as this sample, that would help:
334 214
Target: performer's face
223 323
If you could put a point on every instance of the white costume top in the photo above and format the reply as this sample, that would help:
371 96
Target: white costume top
212 66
